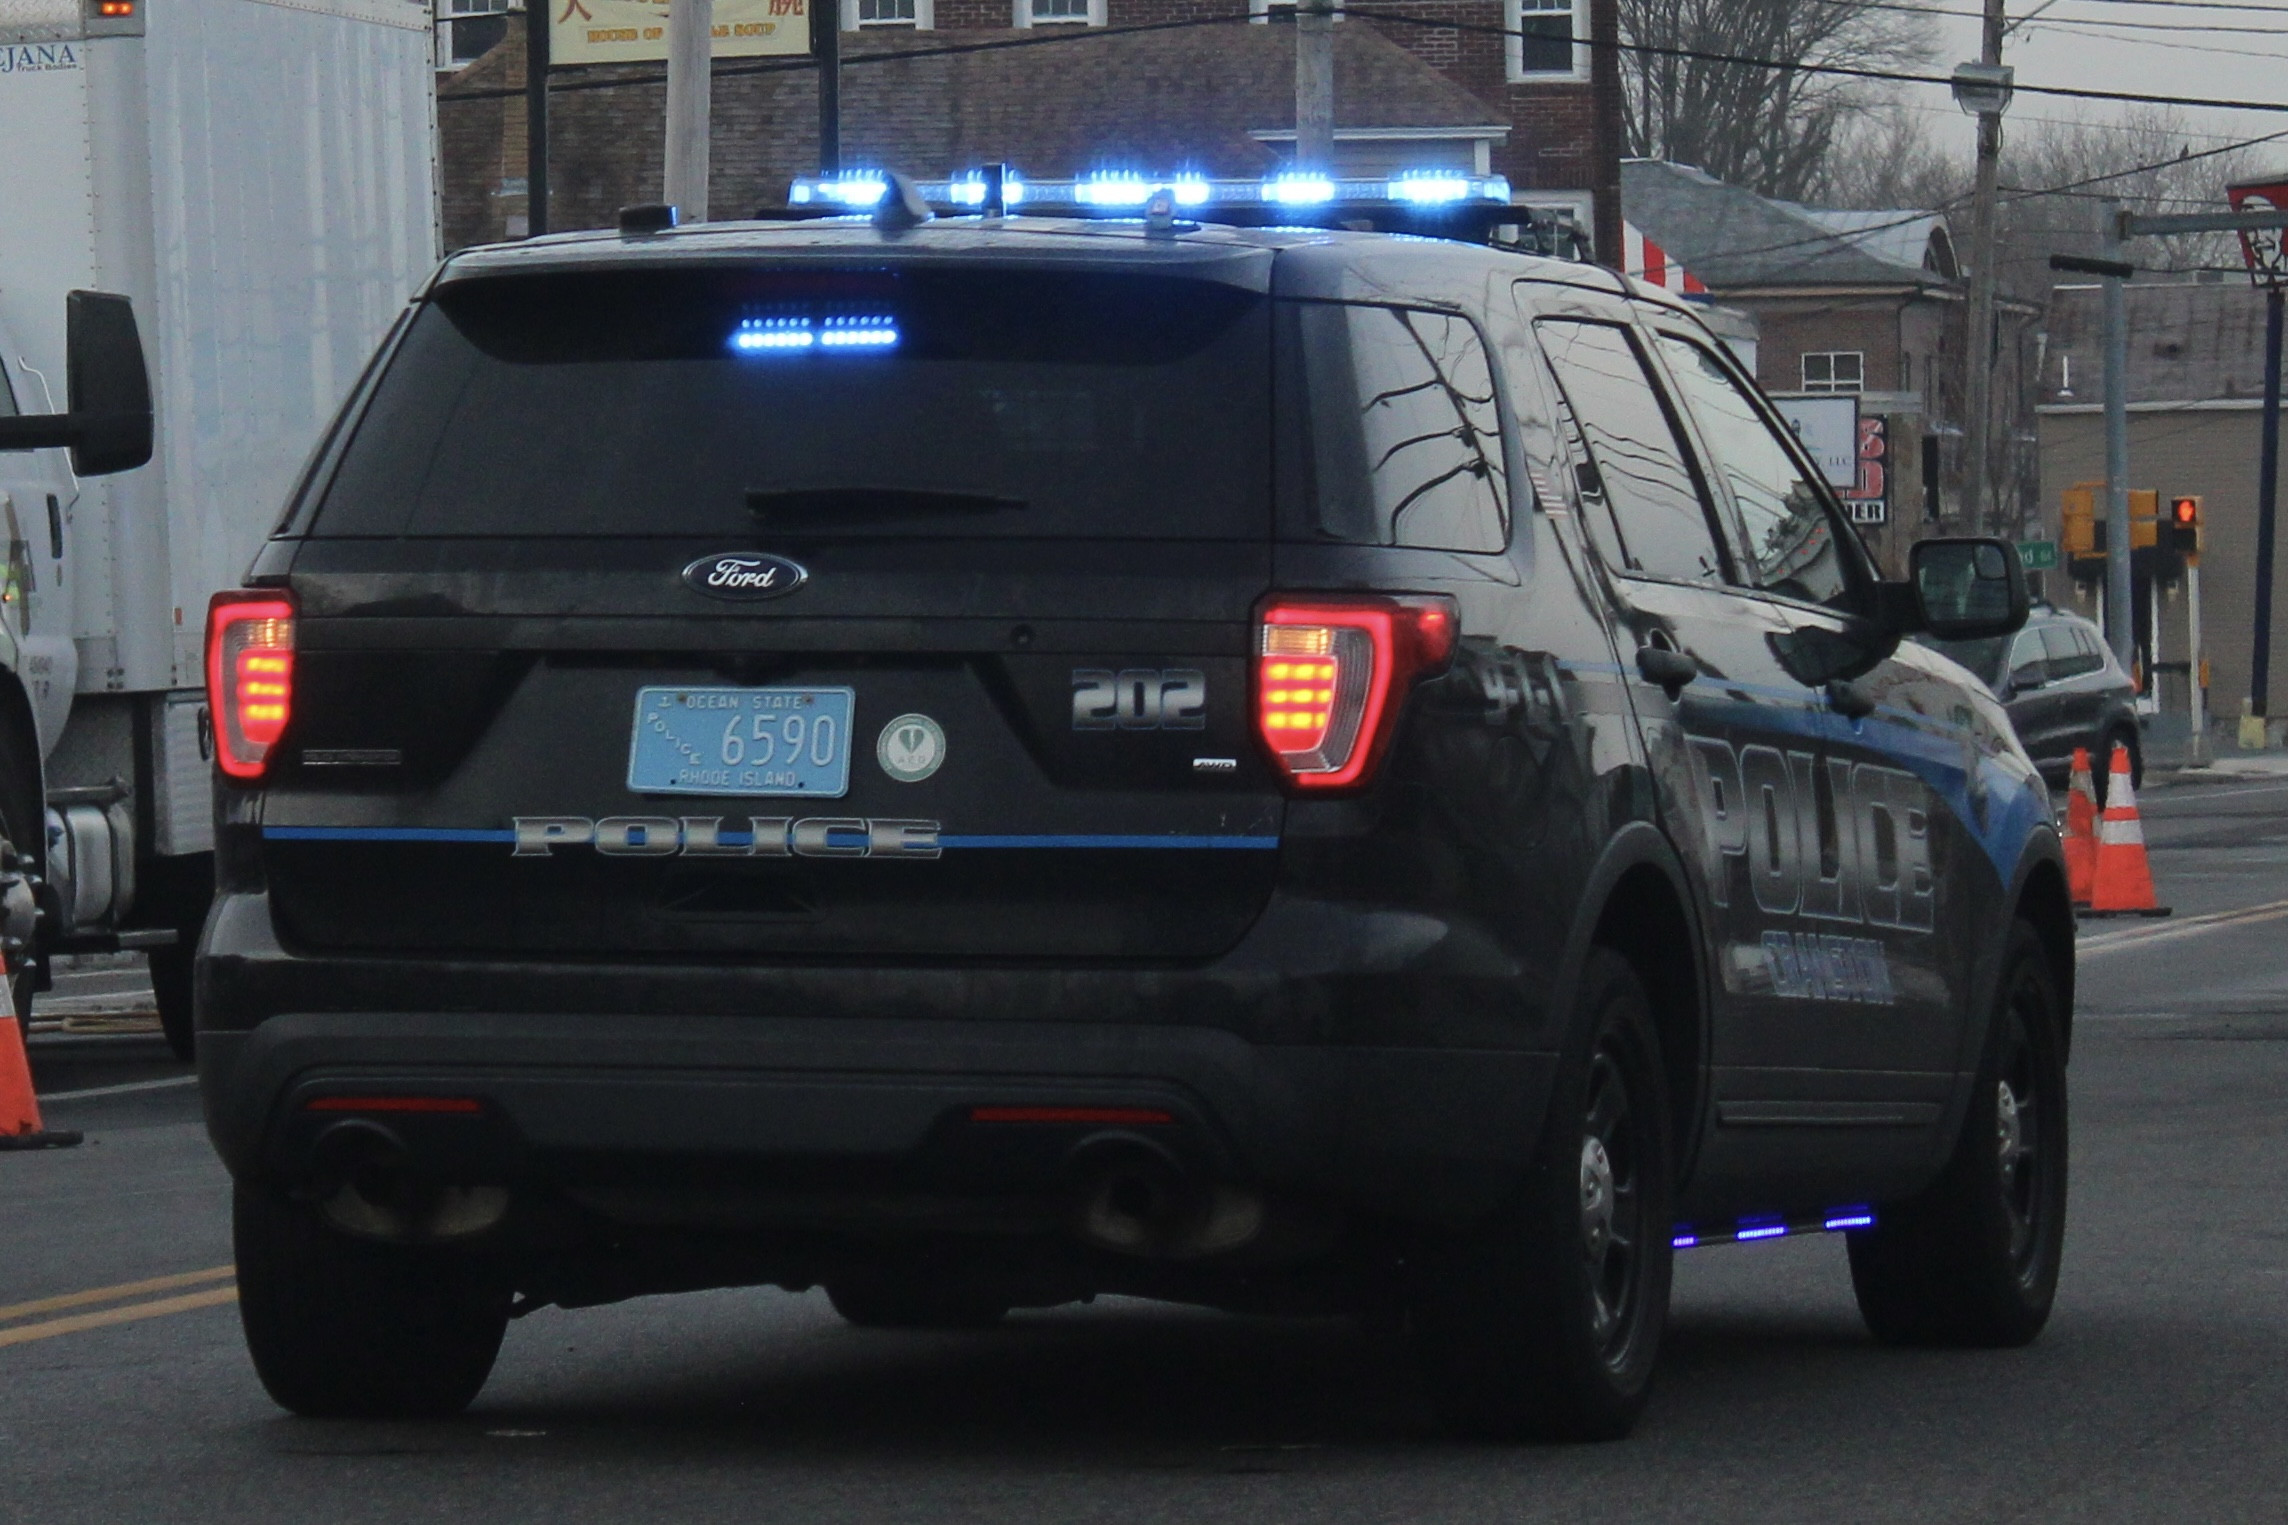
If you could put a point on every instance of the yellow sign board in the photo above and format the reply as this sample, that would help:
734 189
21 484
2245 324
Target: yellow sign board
635 31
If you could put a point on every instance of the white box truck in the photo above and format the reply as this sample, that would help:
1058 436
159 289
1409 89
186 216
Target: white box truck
257 177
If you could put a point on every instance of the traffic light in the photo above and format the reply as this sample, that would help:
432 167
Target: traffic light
2182 533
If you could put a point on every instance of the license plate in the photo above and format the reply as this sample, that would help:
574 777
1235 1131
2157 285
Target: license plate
742 741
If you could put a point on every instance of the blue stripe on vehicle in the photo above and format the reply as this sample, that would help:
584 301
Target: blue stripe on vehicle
384 834
1244 844
740 839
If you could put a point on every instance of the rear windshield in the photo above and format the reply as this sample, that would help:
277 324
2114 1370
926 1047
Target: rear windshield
909 402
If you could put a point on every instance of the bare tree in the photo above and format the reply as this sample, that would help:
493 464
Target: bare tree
1770 129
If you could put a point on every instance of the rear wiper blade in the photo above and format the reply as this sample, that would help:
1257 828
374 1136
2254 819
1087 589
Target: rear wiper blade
857 505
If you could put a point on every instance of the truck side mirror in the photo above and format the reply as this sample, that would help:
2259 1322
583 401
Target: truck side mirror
1961 589
109 388
109 392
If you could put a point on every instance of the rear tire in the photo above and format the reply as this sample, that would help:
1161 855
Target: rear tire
1544 1322
1973 1261
171 970
344 1328
897 1300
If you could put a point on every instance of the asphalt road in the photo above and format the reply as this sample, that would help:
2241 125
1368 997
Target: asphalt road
2159 1391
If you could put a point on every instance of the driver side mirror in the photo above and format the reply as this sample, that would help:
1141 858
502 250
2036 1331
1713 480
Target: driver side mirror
1960 589
109 392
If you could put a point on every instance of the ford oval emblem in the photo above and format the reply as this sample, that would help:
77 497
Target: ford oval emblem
745 575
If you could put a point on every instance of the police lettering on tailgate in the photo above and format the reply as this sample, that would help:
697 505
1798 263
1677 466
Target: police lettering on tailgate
1139 699
775 836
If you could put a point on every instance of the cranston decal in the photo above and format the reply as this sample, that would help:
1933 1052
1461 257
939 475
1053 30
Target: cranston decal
745 575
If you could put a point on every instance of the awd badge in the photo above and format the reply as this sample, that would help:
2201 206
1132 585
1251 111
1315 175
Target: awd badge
910 748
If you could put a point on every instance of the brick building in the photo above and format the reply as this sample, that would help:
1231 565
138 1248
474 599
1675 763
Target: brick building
1217 98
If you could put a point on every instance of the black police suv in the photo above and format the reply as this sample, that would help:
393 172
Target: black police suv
2062 689
984 764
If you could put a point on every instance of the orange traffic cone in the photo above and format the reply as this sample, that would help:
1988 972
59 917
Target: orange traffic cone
2081 830
19 1108
2124 880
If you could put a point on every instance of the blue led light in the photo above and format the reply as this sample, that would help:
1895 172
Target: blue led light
1684 1241
1113 191
1761 1231
793 334
1191 191
1857 1220
1298 190
1429 189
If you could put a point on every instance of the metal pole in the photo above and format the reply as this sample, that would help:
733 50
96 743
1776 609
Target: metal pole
2196 702
535 117
1315 86
690 91
2120 613
1978 346
826 47
2267 501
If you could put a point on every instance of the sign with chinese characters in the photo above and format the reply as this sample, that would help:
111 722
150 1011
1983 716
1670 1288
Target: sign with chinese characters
635 31
1828 427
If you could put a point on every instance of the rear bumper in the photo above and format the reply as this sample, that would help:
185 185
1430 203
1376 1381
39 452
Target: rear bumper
795 1075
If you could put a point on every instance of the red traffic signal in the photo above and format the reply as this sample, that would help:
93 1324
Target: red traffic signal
2182 532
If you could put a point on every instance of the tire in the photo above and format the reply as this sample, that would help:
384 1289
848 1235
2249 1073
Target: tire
1544 1322
899 1300
344 1328
1973 1261
23 823
171 986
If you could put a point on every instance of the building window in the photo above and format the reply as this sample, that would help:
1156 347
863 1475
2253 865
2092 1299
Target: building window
1060 12
1547 38
1843 370
467 29
857 14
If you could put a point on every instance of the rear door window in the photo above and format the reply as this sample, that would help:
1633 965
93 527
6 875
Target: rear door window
1789 539
1405 427
715 402
1638 462
2071 652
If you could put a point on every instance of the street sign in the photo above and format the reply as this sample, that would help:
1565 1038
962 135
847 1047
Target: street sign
2038 555
1828 426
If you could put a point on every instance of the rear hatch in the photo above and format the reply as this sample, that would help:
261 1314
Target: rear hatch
889 612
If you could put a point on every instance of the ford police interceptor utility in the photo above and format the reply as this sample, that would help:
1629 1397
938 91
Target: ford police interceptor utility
984 762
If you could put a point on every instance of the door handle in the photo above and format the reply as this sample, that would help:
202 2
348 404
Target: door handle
1670 669
1850 698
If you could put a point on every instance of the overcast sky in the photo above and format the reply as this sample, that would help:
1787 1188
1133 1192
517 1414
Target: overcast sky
2182 61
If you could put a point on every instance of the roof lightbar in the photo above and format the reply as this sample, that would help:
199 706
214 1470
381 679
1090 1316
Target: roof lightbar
1125 192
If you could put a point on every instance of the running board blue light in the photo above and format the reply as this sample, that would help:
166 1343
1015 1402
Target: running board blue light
1838 1220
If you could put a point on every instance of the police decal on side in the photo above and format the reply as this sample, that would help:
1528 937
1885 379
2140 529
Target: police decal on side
1826 840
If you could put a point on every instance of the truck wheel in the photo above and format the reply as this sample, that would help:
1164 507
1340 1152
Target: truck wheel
342 1328
1544 1322
1973 1260
896 1301
171 988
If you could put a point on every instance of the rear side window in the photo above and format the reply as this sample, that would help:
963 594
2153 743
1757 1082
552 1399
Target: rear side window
1405 428
1790 540
1638 465
716 402
2071 652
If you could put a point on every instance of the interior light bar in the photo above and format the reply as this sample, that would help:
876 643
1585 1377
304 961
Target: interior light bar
1839 1220
797 333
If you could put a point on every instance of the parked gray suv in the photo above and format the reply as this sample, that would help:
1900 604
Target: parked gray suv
2063 690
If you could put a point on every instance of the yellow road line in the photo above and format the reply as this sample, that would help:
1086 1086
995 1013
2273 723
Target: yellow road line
24 1334
2110 941
114 1294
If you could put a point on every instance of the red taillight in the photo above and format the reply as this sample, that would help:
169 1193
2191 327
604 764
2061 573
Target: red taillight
459 1106
250 677
1129 1117
1331 674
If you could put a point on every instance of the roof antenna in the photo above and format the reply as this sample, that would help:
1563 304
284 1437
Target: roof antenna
901 206
996 178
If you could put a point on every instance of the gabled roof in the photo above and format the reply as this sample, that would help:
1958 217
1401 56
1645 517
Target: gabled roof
1731 237
2189 341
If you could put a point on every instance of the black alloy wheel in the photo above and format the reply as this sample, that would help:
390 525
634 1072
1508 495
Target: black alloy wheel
1544 1321
1973 1260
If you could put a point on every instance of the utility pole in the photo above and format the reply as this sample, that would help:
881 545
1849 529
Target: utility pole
826 47
2267 506
1982 89
1315 87
690 99
535 117
2120 613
